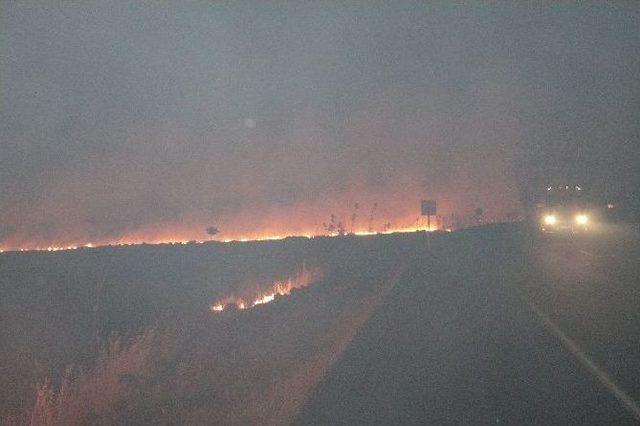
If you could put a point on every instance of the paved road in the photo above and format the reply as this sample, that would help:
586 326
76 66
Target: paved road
472 334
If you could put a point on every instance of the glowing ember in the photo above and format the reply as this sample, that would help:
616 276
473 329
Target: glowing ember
279 288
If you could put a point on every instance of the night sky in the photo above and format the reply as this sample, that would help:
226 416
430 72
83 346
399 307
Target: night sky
138 121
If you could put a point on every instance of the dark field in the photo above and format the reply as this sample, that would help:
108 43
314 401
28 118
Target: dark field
396 329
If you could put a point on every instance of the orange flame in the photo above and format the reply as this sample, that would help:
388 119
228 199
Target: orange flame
300 221
260 237
278 288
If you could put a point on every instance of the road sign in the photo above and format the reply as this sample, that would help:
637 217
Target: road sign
428 207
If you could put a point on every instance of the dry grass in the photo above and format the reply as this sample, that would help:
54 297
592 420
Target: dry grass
253 367
105 392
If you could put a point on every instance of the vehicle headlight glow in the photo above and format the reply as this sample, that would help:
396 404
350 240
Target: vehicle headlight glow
549 219
582 219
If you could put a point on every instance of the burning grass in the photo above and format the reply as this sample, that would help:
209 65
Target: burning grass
198 368
279 288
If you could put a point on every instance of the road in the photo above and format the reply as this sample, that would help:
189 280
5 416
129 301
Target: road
493 327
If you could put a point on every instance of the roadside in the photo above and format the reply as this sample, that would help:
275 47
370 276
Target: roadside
455 345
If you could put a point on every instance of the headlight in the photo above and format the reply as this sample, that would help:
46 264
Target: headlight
549 219
582 219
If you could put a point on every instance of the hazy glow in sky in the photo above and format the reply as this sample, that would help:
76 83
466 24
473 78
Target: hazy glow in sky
123 118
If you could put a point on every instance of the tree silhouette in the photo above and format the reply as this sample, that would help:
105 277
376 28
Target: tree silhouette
479 214
354 217
372 216
331 226
212 230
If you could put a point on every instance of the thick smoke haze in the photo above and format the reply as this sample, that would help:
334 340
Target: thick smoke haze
130 121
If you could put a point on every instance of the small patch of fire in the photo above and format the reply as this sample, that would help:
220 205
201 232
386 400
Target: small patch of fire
279 288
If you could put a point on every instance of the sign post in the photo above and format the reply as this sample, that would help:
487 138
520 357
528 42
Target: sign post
428 209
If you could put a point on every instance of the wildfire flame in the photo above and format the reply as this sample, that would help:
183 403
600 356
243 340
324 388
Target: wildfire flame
278 288
190 230
227 240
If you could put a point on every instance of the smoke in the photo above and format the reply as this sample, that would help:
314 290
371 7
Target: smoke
148 123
